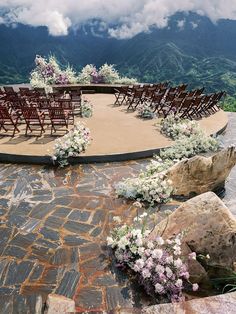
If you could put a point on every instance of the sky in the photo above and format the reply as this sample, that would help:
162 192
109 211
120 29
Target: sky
122 19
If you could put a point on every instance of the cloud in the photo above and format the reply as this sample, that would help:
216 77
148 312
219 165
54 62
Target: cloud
181 23
121 18
194 25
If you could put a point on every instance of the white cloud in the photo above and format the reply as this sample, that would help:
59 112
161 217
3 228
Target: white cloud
194 25
130 16
181 23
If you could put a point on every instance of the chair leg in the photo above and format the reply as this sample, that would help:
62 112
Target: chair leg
26 130
52 128
4 128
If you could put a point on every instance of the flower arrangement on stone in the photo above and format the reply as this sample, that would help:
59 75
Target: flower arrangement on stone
48 72
86 109
72 144
157 263
152 185
145 112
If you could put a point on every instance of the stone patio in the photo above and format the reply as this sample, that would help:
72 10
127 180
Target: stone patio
53 227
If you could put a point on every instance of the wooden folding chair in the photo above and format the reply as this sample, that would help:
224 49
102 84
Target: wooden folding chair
157 102
33 118
14 102
120 95
181 88
68 107
8 120
186 108
24 91
9 90
58 118
199 92
148 94
196 105
173 107
40 91
202 110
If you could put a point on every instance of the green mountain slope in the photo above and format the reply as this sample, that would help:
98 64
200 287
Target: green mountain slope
204 56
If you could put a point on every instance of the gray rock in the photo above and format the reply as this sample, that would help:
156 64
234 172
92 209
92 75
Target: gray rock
202 174
218 304
210 228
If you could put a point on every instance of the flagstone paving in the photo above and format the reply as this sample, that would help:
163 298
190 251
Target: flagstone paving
53 226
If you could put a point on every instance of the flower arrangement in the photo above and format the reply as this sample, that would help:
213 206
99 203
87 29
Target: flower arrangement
157 263
105 74
85 76
124 80
186 147
48 72
144 111
86 109
108 73
150 189
152 185
71 144
173 126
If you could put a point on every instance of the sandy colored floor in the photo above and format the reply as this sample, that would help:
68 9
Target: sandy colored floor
113 131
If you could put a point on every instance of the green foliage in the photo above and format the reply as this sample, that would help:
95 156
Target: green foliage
229 104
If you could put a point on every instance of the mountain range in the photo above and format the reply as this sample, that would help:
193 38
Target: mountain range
195 51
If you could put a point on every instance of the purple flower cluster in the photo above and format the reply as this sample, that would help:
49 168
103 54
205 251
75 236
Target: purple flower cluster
158 263
96 78
48 70
62 79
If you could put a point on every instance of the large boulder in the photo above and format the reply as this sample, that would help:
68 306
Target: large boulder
210 228
225 303
201 174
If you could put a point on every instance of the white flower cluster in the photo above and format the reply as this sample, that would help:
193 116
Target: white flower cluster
36 80
157 165
124 80
109 73
71 144
86 109
144 111
105 74
157 263
151 189
174 127
186 147
86 74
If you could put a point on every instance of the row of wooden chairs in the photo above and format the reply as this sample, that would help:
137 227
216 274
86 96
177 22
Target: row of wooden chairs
163 100
194 107
34 119
136 93
39 93
36 110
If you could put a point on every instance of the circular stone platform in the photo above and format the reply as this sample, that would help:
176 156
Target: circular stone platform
117 135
